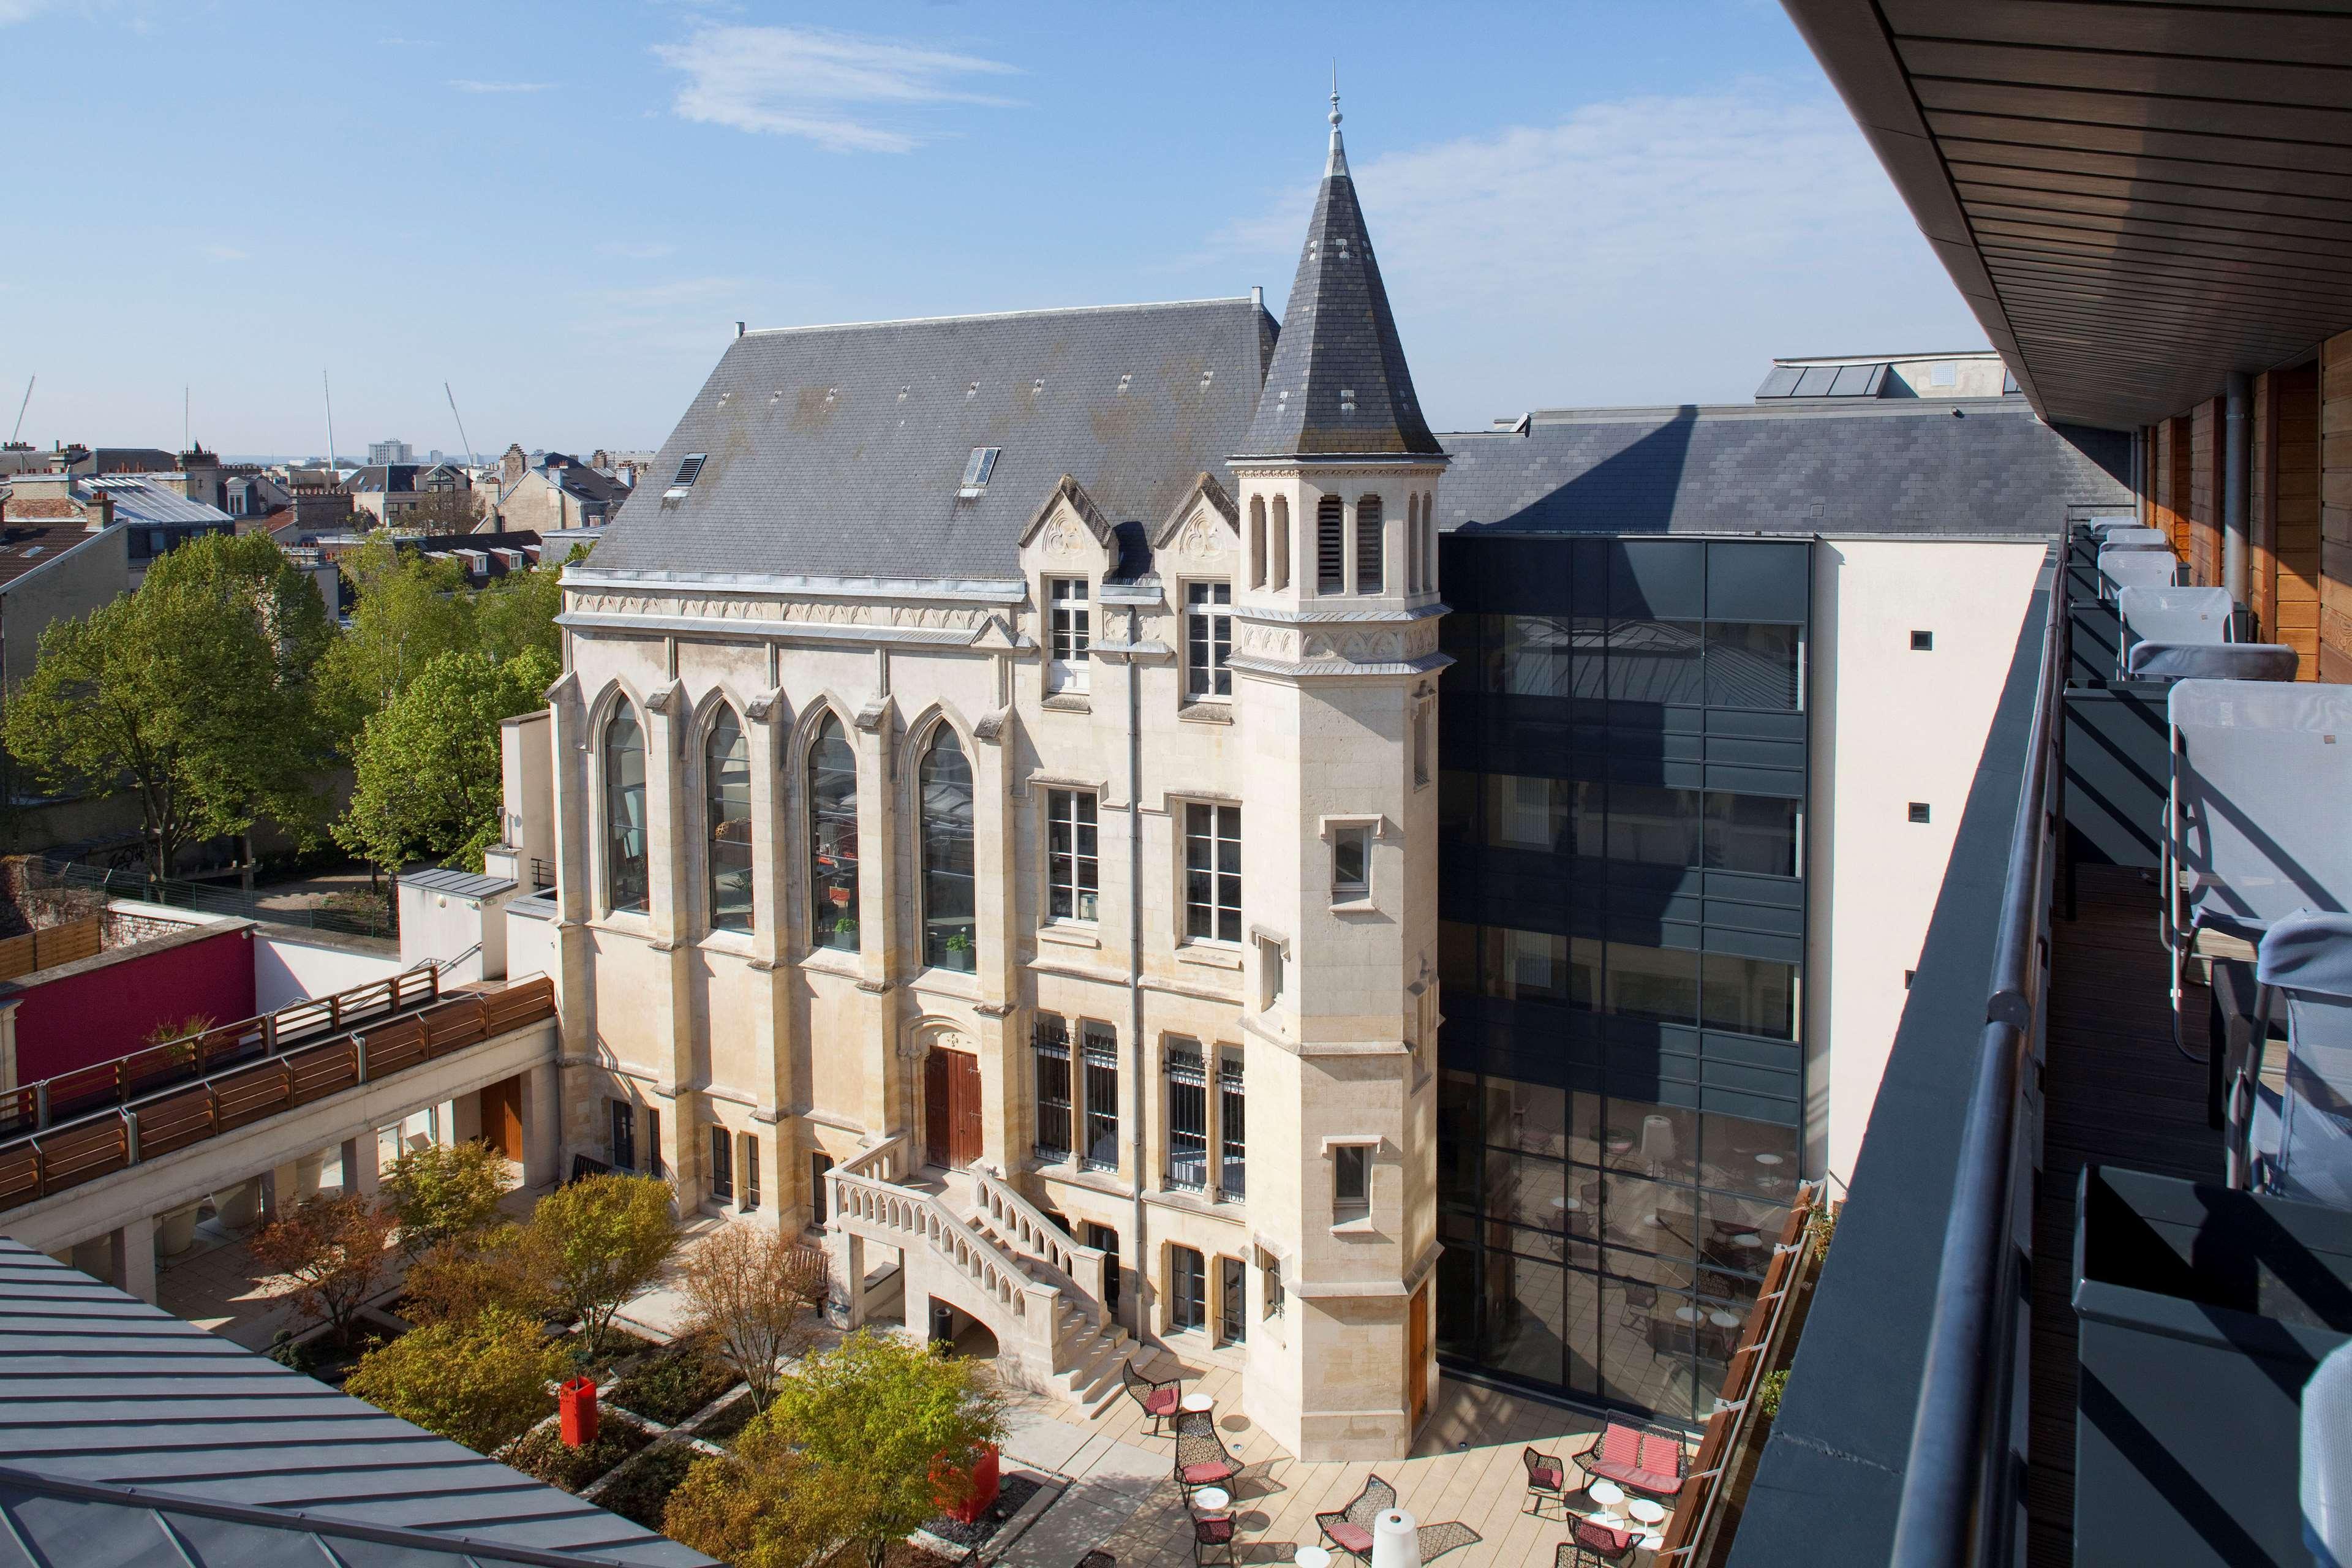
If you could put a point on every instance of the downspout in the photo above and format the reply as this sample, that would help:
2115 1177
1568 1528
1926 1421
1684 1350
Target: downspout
1135 1051
2237 475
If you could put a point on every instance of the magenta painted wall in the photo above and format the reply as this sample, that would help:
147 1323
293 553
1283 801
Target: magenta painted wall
107 1012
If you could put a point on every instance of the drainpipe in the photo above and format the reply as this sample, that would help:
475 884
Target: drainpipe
1135 1055
2237 475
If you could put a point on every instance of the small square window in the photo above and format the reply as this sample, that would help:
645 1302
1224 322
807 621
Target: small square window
1352 1186
1351 866
1923 642
1918 810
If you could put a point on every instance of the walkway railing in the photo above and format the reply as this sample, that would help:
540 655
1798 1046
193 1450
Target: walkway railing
34 1106
219 901
1959 1489
1020 1222
74 1153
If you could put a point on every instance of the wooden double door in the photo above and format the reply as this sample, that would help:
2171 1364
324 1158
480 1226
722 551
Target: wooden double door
951 1107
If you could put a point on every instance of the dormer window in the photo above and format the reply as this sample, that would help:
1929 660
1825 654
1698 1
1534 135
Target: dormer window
976 470
687 472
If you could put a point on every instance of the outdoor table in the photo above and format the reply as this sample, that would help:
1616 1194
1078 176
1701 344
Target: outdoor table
1686 1314
1214 1499
1311 1557
1768 1160
1198 1404
1748 1238
1648 1514
1608 1494
1723 1320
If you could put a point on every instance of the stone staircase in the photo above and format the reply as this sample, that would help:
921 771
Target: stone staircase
998 1259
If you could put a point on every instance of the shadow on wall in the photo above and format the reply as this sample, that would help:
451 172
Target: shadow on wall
1631 491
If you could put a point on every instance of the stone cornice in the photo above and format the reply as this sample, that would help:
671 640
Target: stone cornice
1275 614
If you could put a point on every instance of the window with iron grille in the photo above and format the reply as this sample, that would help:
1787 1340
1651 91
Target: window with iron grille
750 1172
1188 1117
1208 639
1188 1289
1073 875
1212 872
1232 1126
1232 1301
1099 1049
1274 1298
1051 1040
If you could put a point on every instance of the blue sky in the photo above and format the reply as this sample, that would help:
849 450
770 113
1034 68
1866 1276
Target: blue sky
562 209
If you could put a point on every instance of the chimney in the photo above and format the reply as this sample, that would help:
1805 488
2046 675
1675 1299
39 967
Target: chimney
98 511
738 329
1257 296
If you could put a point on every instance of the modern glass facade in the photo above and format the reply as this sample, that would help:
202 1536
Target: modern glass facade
1623 780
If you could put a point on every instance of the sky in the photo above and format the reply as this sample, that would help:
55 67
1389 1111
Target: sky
560 210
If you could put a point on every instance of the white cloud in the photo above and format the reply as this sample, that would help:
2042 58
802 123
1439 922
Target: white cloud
464 85
21 10
226 253
846 93
647 250
1628 252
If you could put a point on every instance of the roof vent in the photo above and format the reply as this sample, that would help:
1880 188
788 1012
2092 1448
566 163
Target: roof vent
687 472
971 392
982 464
1123 380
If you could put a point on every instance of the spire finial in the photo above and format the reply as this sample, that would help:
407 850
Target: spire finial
1337 164
1335 95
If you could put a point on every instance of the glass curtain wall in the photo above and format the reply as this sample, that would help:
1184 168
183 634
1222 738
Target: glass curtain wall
1623 773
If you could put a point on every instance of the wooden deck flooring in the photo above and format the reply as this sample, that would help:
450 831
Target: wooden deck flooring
2115 1091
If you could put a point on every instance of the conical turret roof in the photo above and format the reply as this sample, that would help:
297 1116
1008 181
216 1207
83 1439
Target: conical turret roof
1339 385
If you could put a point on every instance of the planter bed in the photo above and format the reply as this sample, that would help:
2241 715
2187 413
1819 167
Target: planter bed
724 1426
542 1453
1013 1493
639 1490
672 1384
622 1350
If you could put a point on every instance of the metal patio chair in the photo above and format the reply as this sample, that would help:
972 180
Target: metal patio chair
1202 1457
1350 1530
2307 959
1547 1478
1589 1540
1158 1400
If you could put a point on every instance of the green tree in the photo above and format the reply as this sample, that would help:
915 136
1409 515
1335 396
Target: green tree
763 1505
517 612
877 1415
599 1241
197 693
439 1194
428 772
482 1383
465 1276
411 609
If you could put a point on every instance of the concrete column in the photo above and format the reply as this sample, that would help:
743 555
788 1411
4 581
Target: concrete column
574 803
2237 487
132 1252
464 1118
542 1128
95 1258
238 1206
360 1171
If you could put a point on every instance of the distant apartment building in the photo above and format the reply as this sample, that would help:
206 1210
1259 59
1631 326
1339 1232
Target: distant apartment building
153 515
553 493
397 494
383 454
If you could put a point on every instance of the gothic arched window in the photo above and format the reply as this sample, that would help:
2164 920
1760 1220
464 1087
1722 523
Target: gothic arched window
949 928
833 838
727 810
624 812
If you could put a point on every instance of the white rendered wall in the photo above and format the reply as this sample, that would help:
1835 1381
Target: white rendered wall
285 970
1892 726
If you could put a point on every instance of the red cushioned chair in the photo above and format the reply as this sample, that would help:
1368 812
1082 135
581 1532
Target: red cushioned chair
1547 1480
1638 1461
1350 1529
1213 1533
1591 1542
1160 1400
1200 1457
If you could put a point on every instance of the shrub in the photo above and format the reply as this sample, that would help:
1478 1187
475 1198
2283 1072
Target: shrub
460 1278
333 1250
482 1383
673 1384
598 1242
440 1194
542 1453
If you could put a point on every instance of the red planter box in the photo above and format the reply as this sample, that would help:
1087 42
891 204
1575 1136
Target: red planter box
965 1495
577 1402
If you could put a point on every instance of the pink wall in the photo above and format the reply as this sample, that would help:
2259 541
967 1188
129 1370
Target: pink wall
108 1010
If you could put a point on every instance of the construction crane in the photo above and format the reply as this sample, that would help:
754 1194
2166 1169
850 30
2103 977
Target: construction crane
20 409
473 458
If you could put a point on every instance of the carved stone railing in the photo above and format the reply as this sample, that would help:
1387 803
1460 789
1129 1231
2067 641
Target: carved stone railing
1081 1269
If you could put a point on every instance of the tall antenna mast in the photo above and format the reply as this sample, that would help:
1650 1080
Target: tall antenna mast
183 416
473 460
330 393
22 406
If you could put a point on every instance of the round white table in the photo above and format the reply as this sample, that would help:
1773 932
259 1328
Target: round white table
1196 1403
1216 1499
1748 1238
1311 1557
1768 1160
1723 1320
1571 1205
1686 1314
1647 1514
1608 1494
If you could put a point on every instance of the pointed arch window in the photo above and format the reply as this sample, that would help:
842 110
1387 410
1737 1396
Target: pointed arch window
1330 545
1278 573
727 813
1371 545
833 838
1257 541
624 812
950 930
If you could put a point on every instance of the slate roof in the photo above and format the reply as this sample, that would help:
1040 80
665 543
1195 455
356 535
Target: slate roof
130 1436
1338 384
836 451
1883 468
394 479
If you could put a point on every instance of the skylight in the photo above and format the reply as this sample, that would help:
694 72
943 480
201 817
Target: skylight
687 472
976 471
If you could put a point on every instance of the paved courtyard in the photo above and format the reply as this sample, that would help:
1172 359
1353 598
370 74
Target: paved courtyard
1121 1497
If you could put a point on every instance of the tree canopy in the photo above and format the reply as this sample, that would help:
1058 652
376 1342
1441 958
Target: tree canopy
597 1242
198 693
428 778
482 1382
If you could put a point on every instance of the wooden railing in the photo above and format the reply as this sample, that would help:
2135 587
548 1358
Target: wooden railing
1021 1222
1706 1511
66 1155
69 1095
